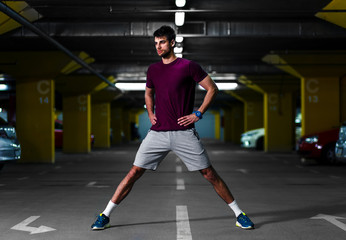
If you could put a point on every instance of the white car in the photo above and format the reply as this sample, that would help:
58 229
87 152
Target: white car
340 147
9 146
253 139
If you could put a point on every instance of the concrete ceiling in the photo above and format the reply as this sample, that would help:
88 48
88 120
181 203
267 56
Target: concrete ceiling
224 36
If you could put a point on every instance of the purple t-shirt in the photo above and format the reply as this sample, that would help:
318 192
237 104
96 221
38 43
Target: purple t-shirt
174 85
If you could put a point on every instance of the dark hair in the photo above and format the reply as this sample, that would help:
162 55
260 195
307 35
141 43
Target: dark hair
165 31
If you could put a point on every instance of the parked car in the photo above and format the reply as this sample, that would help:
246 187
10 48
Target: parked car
340 147
58 135
253 139
9 146
319 146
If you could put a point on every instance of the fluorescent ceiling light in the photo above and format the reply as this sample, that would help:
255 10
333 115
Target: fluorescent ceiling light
126 86
179 39
178 50
224 86
180 3
179 55
179 18
3 87
223 76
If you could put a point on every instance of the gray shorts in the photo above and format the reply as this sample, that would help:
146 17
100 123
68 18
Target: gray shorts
185 144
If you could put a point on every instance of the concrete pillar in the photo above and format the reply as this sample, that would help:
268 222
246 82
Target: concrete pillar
343 99
227 124
126 124
116 125
278 122
77 124
101 124
217 124
320 100
35 120
234 122
253 107
237 122
279 109
320 74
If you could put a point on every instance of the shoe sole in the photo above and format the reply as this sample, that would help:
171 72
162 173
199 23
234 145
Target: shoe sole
101 228
247 228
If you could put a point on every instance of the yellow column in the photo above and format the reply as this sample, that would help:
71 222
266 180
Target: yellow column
227 124
77 124
35 120
253 115
126 118
278 122
237 122
116 125
343 99
320 104
101 124
217 124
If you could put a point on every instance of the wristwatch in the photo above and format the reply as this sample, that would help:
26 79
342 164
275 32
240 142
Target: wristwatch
198 114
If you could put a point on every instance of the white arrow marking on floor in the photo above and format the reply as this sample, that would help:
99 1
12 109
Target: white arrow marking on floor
23 226
93 184
183 224
180 184
332 220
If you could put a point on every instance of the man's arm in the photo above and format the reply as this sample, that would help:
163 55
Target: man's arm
149 102
208 84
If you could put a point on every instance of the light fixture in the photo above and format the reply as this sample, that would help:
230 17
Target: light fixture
178 50
131 86
179 18
180 3
179 55
224 85
3 87
179 39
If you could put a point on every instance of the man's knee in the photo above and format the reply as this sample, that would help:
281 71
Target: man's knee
210 174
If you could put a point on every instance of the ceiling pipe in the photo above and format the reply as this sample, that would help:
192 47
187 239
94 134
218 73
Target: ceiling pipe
17 17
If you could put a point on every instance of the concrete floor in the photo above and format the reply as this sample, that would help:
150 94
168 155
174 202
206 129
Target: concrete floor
282 197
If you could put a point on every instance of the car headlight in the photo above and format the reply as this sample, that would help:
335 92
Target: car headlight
311 139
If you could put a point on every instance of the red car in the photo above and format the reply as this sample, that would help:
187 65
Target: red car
319 146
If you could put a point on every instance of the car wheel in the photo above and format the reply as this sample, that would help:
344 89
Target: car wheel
328 154
260 143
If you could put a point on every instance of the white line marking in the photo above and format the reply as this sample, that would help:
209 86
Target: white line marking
180 184
179 169
183 224
93 184
23 178
245 171
332 220
23 226
335 177
218 152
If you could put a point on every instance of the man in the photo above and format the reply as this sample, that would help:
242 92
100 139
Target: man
172 81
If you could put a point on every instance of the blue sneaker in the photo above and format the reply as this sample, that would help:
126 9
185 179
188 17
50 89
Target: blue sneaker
101 222
244 222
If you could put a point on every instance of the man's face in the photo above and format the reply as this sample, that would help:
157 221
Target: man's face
163 46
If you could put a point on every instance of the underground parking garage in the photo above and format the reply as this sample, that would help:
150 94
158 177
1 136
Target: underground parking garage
279 66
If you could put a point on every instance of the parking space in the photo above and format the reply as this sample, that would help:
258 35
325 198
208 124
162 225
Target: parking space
286 200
